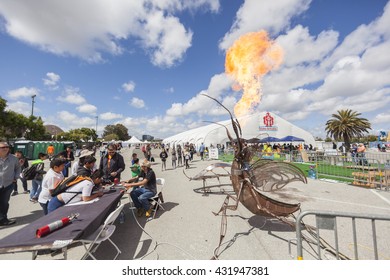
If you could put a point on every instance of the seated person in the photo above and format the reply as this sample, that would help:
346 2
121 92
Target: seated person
81 191
140 196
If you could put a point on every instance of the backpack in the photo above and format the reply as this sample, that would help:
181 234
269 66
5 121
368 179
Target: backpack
32 171
63 185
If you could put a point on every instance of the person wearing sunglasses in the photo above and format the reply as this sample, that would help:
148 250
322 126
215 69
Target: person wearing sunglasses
9 173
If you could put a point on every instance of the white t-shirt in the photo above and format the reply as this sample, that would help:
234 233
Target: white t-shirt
84 188
50 180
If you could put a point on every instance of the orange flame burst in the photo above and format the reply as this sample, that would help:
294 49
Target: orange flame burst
251 57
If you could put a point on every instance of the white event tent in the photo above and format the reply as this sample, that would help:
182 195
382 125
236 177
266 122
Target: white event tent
132 141
258 125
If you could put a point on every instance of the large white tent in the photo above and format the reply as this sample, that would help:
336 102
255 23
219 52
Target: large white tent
258 125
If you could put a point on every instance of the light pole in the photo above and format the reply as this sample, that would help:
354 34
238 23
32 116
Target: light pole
97 117
32 104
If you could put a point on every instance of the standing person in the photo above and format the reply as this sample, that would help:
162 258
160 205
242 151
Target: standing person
50 151
179 156
163 157
201 151
148 152
140 196
50 181
69 157
174 157
187 157
9 173
112 164
192 152
361 153
23 165
36 184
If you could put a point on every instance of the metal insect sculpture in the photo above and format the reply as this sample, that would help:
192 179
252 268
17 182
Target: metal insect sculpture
210 173
250 180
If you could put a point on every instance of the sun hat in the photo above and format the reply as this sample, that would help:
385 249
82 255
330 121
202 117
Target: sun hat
85 153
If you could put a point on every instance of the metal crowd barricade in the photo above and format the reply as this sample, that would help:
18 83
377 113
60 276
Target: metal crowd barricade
328 220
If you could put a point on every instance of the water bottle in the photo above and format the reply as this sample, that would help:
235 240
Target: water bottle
122 217
312 173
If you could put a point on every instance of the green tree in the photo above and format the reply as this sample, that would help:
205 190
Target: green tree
78 135
15 125
119 129
110 137
345 125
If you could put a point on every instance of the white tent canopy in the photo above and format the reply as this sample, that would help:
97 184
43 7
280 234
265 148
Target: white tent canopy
259 125
132 140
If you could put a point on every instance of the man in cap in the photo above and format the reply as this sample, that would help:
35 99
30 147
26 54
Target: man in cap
140 196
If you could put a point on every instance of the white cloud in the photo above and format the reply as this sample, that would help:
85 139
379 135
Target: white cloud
51 80
72 121
110 116
20 107
129 86
300 47
273 16
201 105
88 29
382 118
71 95
87 108
22 92
137 103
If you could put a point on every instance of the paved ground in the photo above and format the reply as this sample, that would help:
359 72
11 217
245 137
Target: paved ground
187 229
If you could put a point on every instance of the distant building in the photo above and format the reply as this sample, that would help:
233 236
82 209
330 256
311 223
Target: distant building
147 137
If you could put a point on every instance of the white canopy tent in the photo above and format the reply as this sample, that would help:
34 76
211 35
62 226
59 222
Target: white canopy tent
259 125
132 141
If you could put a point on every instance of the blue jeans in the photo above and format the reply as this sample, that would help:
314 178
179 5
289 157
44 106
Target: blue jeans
36 188
65 171
44 207
5 194
54 203
140 197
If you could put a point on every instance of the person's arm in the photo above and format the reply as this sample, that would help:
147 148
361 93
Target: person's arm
92 196
121 164
137 184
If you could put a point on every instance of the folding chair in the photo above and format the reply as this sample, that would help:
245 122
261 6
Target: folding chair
103 233
157 200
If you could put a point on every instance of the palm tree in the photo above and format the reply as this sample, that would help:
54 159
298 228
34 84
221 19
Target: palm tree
345 125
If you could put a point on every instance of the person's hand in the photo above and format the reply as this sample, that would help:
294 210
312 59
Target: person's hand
113 174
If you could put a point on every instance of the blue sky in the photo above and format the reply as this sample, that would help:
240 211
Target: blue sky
145 63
